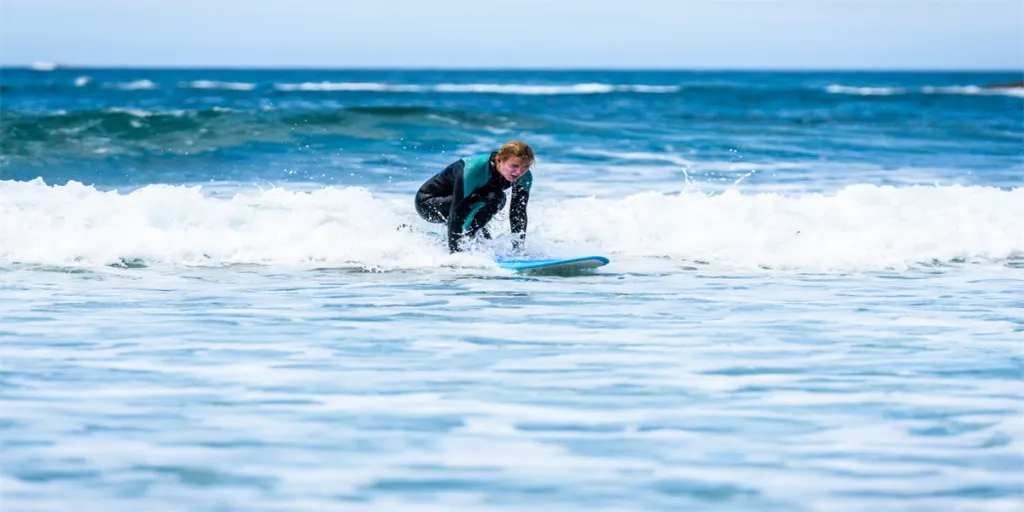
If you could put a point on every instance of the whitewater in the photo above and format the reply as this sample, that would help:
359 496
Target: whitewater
857 228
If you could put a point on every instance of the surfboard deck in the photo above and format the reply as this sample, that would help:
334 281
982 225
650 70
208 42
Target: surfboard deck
552 264
537 264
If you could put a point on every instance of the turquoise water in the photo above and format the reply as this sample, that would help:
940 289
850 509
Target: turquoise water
813 302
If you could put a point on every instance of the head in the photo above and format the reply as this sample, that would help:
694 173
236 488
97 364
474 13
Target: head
514 159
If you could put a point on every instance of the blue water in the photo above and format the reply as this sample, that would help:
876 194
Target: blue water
814 300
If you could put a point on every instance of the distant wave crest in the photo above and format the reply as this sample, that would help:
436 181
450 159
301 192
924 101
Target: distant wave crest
972 90
482 88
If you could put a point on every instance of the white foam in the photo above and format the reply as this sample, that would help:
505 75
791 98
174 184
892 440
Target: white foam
975 90
83 81
971 90
349 86
1008 91
588 88
138 112
137 85
211 84
860 227
481 88
135 112
864 91
653 89
77 224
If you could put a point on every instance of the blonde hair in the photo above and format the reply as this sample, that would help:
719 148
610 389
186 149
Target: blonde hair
517 149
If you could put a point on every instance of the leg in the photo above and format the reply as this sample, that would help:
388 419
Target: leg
476 222
471 215
433 209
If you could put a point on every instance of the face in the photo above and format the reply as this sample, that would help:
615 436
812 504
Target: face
513 168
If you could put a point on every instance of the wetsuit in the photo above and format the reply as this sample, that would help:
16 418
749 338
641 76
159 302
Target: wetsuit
468 193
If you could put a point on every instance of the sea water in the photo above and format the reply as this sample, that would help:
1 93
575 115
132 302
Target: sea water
815 299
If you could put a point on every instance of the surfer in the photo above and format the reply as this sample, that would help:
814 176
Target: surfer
468 193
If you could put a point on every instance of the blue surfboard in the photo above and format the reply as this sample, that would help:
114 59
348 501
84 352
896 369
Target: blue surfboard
539 264
552 264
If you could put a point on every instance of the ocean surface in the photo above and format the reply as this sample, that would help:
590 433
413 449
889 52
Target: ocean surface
815 300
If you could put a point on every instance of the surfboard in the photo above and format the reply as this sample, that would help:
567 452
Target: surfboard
536 264
552 264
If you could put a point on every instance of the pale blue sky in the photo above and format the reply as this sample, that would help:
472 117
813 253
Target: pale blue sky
793 34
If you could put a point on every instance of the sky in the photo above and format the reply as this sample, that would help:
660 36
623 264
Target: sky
610 34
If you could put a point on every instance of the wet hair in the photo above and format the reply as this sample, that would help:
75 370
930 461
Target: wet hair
517 149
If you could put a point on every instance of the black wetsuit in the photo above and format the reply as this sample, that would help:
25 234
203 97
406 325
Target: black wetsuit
468 193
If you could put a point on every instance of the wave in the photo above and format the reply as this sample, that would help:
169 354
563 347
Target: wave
527 89
478 88
860 227
348 86
482 88
131 130
213 84
970 90
31 135
524 89
137 85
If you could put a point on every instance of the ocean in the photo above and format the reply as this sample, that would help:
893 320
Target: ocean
815 299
